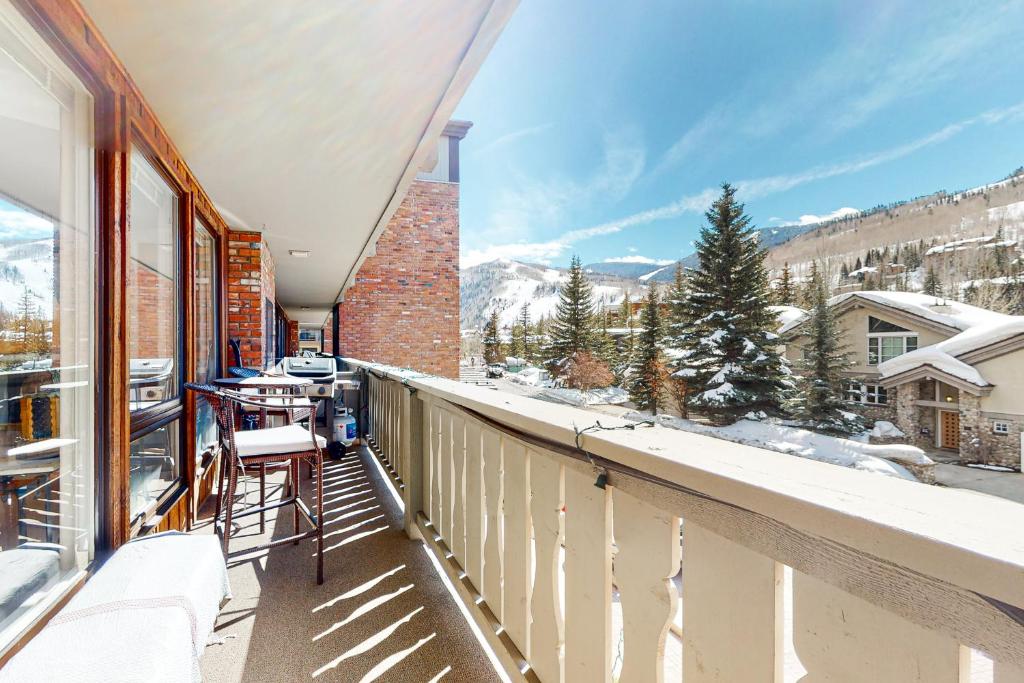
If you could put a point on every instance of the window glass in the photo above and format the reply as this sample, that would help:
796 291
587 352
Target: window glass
872 350
153 465
207 339
47 308
879 325
153 315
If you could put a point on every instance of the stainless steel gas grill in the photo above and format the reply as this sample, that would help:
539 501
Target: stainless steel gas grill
320 370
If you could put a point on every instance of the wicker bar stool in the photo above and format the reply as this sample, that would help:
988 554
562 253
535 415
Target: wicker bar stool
286 446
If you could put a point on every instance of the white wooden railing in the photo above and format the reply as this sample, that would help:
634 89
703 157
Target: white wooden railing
892 581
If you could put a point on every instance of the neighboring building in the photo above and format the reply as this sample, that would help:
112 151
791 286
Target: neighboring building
948 374
403 309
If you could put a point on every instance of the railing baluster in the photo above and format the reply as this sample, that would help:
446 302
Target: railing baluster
546 501
648 557
435 468
839 637
445 523
458 539
732 604
518 548
474 506
493 542
588 579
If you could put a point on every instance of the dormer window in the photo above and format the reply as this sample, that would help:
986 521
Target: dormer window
887 340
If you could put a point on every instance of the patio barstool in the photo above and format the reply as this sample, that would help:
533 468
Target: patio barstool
286 446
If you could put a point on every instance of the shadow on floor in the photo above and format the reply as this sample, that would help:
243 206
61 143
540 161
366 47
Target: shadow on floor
383 614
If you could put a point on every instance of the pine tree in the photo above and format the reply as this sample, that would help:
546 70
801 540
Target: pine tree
523 347
844 272
857 264
572 329
819 400
492 340
729 352
784 295
676 323
647 381
932 285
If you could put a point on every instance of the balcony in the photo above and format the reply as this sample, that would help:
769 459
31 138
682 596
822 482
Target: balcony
698 558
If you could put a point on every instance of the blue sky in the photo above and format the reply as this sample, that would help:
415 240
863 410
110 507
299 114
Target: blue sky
603 128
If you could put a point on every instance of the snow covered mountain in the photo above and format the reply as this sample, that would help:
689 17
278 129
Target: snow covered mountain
506 285
26 265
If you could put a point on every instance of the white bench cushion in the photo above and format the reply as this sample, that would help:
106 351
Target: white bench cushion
146 615
288 439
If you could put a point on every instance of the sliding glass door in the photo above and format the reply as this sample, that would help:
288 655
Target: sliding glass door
154 335
207 339
47 330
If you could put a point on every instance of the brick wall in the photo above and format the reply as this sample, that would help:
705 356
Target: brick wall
250 284
152 333
404 306
328 336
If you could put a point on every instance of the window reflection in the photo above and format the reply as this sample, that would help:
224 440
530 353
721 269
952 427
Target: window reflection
207 338
152 287
47 284
153 466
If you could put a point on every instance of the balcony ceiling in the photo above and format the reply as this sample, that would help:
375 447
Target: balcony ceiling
304 120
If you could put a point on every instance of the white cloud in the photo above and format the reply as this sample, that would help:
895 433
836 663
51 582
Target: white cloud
531 252
631 250
639 259
747 190
811 219
530 203
507 138
18 224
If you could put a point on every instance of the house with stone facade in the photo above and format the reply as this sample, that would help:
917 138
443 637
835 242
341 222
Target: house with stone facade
950 375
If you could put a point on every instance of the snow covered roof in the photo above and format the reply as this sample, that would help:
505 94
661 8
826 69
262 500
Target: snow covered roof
787 315
953 314
945 355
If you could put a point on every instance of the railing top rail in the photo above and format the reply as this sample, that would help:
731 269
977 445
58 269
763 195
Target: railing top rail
964 538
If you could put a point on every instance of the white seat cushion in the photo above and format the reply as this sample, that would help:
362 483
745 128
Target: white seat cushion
288 439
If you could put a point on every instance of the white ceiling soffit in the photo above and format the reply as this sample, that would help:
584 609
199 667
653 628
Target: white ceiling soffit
308 120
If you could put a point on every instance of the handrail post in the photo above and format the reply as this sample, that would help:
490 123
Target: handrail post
411 449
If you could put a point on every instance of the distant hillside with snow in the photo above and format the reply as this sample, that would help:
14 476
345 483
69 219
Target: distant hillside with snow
938 218
26 264
505 286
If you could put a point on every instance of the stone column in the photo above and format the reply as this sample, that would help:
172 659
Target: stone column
972 445
907 412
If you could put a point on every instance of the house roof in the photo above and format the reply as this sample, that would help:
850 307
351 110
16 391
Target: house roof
954 316
948 355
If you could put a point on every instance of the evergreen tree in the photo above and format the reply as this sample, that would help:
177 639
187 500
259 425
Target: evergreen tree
819 400
571 330
932 285
647 381
857 265
625 312
492 340
677 320
784 295
729 353
526 345
844 272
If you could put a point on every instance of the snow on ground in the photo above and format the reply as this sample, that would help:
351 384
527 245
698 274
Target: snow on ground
576 397
886 429
648 276
806 444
